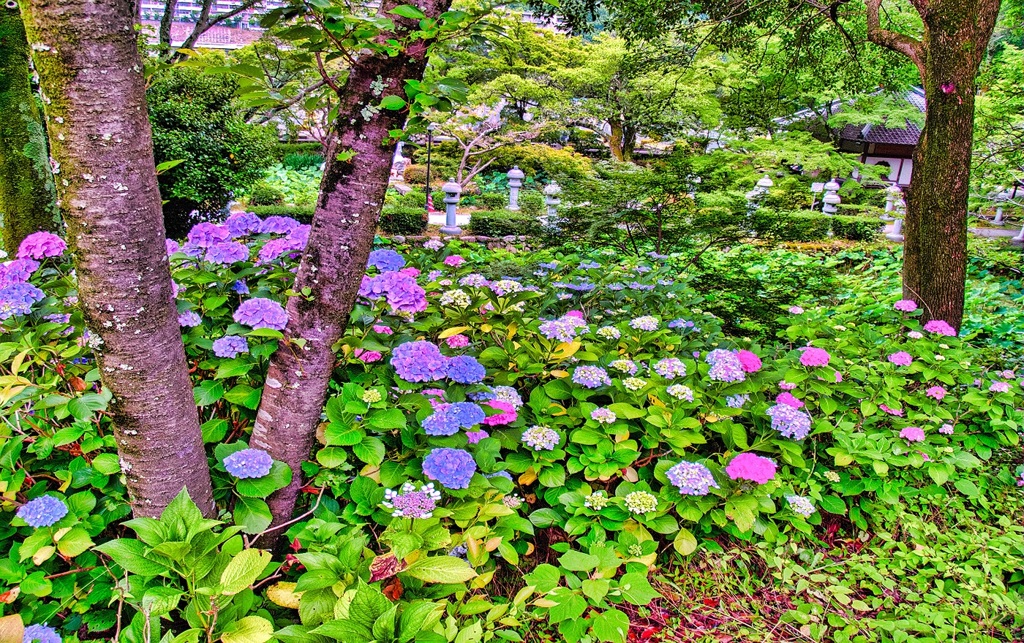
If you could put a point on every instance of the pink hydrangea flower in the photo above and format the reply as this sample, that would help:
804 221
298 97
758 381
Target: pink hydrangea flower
748 466
901 358
366 356
924 456
508 413
412 272
915 335
912 434
814 357
839 377
457 341
383 330
896 412
936 392
940 327
787 386
750 362
454 261
475 436
999 387
788 399
575 313
796 310
40 245
946 429
905 305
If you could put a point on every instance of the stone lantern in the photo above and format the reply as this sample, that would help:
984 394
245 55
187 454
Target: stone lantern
452 192
551 200
515 181
759 192
831 200
892 195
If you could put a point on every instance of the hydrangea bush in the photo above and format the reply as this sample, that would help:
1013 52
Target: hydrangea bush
615 412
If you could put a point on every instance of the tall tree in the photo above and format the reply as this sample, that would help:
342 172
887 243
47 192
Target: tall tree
95 102
27 196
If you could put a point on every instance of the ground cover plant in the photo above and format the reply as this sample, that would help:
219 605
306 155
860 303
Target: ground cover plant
515 444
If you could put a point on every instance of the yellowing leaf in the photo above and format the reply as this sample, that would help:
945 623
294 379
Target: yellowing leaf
455 330
557 409
486 327
560 374
529 477
513 328
655 401
565 350
284 594
251 629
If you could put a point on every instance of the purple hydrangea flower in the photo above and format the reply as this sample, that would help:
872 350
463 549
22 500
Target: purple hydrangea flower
790 422
278 225
453 468
464 369
230 346
204 235
670 368
419 362
17 299
172 246
260 312
40 634
17 271
449 418
541 438
385 260
40 245
283 245
691 478
725 366
410 502
241 287
227 252
647 322
189 319
43 511
591 377
240 224
563 329
249 463
401 290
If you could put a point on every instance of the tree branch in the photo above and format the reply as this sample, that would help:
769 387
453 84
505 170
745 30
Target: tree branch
900 43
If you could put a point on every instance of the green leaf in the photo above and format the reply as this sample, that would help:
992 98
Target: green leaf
392 103
215 430
408 11
243 570
544 578
388 419
130 555
441 569
370 450
384 627
251 629
107 464
345 630
252 514
208 392
967 488
939 473
570 605
685 543
637 589
611 626
74 542
280 476
833 505
418 617
577 561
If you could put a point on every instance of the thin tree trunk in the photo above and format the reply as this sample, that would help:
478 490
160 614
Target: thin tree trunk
27 196
91 74
616 139
332 267
166 23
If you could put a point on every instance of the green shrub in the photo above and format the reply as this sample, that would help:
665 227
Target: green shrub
493 200
403 220
301 213
281 150
195 121
501 223
413 199
263 194
531 203
415 174
534 159
790 226
302 161
856 228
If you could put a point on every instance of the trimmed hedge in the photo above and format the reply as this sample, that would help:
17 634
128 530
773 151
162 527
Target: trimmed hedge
301 213
502 223
282 150
803 225
403 220
856 228
531 203
493 200
263 194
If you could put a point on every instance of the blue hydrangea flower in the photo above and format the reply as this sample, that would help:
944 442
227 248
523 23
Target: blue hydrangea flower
260 312
591 377
17 299
278 225
241 287
453 468
189 319
691 478
240 224
43 511
385 260
449 418
230 346
499 474
466 370
419 362
227 252
204 235
790 422
249 463
40 634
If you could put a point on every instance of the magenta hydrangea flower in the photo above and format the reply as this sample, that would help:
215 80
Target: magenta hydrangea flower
383 330
40 634
912 434
240 224
230 346
189 319
260 312
457 341
752 467
40 245
691 478
43 511
787 386
788 399
385 260
454 261
419 362
227 252
901 358
812 357
905 305
249 463
410 502
453 468
750 362
204 235
367 357
940 327
464 369
507 415
278 225
936 392
591 376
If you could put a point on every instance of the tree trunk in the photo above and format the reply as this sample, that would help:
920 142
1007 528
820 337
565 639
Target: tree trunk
92 79
628 142
615 141
935 250
334 262
27 196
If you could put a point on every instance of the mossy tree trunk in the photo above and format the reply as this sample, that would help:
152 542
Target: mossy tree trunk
94 96
334 262
28 201
948 56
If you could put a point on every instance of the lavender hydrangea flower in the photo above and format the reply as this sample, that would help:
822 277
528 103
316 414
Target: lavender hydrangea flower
17 299
433 244
801 505
474 280
249 463
275 248
449 418
691 478
410 502
260 312
540 438
278 225
737 401
40 245
508 394
680 392
240 224
504 287
171 246
464 369
43 511
227 252
603 416
17 272
189 319
453 468
725 366
419 362
563 329
790 422
40 634
670 368
230 346
401 290
647 322
591 377
204 235
385 260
